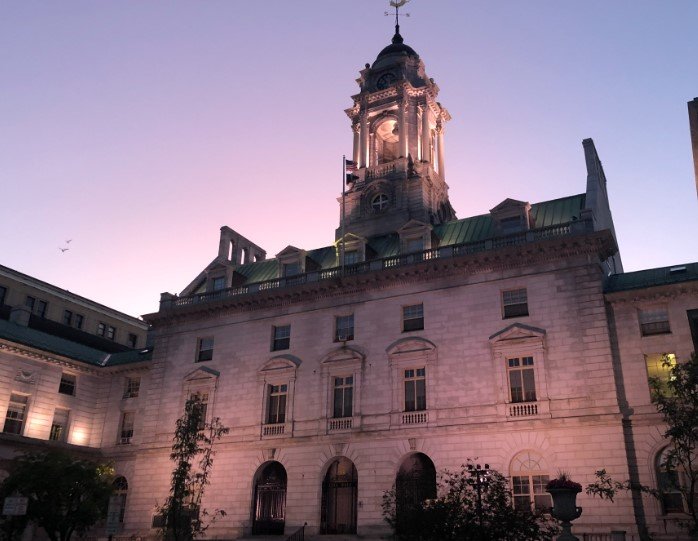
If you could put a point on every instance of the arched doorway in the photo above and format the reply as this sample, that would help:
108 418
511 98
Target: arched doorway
415 482
339 497
269 510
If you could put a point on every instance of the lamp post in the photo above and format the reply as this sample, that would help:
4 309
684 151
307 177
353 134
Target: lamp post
480 478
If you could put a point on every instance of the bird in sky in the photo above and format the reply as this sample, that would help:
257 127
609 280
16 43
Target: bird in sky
63 250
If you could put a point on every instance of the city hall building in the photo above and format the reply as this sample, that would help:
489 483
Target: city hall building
414 342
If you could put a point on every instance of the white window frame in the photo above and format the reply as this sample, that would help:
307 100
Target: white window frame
68 379
126 434
132 387
277 371
406 354
513 291
519 341
343 362
63 413
410 313
200 343
277 341
24 403
530 464
202 381
340 337
654 320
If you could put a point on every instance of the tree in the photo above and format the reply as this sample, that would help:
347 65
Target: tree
66 495
676 399
184 519
460 513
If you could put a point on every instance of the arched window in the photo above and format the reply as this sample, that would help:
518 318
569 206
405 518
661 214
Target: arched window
120 486
339 498
528 479
387 141
669 483
380 202
269 506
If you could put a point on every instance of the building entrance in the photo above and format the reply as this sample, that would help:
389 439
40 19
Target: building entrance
339 497
269 500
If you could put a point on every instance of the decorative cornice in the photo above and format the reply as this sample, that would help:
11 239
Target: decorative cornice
653 293
599 244
38 355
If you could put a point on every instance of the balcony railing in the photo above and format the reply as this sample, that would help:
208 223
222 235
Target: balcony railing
276 429
444 252
525 409
414 418
343 423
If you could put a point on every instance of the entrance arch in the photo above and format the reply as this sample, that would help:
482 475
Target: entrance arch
415 482
339 498
269 511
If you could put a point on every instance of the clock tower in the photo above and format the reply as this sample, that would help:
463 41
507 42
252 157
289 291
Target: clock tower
398 129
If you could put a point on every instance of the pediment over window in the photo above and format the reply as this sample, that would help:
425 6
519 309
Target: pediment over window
289 252
410 345
415 236
343 355
509 204
414 226
279 363
511 216
202 375
517 331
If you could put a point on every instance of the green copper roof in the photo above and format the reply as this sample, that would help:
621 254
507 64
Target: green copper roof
652 277
66 348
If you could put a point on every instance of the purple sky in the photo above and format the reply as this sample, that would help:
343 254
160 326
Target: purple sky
137 128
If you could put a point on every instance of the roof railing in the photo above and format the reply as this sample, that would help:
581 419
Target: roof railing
444 252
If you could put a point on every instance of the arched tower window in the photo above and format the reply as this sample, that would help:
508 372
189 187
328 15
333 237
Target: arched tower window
387 141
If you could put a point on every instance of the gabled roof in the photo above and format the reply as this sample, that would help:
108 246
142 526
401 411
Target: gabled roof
652 277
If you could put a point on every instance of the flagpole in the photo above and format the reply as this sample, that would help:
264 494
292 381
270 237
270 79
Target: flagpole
344 192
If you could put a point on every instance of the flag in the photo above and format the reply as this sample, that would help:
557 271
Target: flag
350 166
351 178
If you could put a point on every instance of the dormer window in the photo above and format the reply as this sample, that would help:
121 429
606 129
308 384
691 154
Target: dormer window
511 216
292 269
218 283
512 224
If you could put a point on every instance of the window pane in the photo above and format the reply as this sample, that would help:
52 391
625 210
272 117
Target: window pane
529 385
409 396
338 403
516 386
421 395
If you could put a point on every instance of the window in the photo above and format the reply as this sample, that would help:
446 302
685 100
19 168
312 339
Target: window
380 202
67 317
669 484
415 389
111 332
529 493
79 319
30 302
120 489
126 433
659 368
513 224
654 321
202 407
67 384
351 257
218 283
276 405
528 480
281 337
41 307
343 396
344 328
16 412
205 349
3 294
413 318
693 324
514 303
522 381
132 387
291 269
101 328
132 340
414 245
59 426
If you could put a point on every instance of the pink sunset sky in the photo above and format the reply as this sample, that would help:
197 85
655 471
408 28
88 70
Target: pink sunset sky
137 129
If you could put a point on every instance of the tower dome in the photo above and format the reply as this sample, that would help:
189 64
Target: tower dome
397 47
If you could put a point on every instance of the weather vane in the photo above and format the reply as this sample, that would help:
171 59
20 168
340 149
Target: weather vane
397 4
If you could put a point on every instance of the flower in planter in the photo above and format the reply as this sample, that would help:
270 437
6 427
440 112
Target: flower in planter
563 481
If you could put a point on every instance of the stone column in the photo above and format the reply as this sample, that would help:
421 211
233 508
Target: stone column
402 127
440 143
356 128
426 145
363 159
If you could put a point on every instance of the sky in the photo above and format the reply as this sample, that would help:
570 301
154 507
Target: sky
137 129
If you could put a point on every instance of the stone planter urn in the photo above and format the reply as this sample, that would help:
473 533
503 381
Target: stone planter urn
564 493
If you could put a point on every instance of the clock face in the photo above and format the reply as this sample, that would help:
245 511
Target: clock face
385 80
